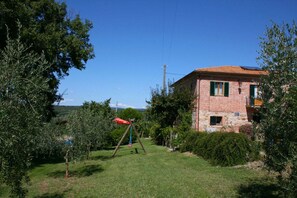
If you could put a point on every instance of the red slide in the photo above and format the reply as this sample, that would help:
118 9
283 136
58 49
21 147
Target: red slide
121 121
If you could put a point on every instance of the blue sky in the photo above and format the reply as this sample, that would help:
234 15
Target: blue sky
133 39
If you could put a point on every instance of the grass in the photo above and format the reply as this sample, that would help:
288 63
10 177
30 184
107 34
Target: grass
158 173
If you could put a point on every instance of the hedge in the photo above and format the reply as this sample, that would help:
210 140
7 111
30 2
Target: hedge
221 148
234 149
190 141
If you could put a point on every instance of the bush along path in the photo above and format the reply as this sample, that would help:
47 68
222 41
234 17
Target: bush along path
223 149
158 173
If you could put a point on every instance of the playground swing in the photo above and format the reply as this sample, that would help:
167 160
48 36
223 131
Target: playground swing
130 127
130 138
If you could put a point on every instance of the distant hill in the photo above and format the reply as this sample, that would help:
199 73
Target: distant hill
65 110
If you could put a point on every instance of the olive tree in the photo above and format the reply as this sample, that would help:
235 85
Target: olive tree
90 127
278 56
23 99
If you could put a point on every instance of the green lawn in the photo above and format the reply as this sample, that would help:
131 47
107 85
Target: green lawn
158 173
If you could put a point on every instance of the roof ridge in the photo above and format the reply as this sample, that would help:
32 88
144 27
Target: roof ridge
217 66
232 69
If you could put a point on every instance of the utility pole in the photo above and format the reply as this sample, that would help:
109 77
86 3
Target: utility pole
117 107
164 77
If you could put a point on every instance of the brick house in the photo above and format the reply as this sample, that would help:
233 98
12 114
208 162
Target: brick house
226 97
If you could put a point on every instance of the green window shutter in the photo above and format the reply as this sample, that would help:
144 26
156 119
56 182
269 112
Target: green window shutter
252 94
226 89
212 88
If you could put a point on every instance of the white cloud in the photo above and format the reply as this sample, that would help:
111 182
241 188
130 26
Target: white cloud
121 105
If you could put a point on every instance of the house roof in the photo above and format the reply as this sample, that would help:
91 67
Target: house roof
232 70
226 70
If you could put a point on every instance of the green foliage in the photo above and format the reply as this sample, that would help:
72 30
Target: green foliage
23 102
182 126
278 125
155 133
224 149
170 109
144 127
63 111
90 127
165 106
233 150
117 134
256 148
191 141
99 108
161 136
51 142
48 28
206 144
166 133
130 113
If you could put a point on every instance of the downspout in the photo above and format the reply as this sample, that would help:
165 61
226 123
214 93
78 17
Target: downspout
198 104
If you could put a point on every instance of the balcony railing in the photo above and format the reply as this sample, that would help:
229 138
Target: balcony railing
253 102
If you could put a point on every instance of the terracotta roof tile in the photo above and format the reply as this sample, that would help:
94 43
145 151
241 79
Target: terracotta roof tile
231 70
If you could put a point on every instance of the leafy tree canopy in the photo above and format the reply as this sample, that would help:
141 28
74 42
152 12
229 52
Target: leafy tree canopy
47 27
168 109
130 113
90 127
99 107
165 106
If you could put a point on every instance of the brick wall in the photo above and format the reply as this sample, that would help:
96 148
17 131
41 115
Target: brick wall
232 109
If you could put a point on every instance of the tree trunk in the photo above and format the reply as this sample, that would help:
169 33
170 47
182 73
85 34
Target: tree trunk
67 164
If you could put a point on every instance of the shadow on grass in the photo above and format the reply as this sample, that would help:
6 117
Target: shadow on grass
100 157
260 188
51 195
81 172
41 161
109 148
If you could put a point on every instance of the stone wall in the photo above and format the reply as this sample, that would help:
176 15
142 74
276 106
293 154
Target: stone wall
231 121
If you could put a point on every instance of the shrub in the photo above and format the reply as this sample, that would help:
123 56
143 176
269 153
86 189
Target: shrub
116 135
156 133
200 145
233 150
191 140
247 129
205 145
225 149
256 147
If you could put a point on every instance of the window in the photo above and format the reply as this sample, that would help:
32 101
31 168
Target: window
254 91
215 120
255 95
219 88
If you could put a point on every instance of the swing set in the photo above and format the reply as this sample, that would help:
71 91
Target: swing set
130 127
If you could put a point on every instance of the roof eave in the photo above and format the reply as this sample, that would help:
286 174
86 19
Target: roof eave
197 72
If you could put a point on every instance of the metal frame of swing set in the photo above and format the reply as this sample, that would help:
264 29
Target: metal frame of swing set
124 135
